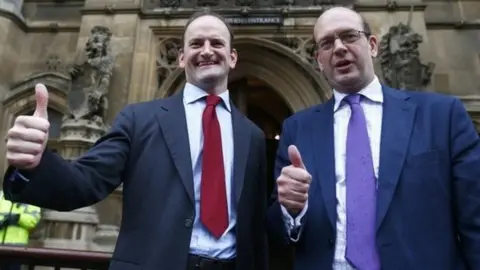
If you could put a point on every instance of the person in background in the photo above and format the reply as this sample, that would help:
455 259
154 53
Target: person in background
17 220
376 178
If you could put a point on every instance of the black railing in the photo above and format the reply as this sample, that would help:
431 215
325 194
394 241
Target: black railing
56 258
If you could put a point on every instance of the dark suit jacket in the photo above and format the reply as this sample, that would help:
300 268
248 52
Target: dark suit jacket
148 151
428 211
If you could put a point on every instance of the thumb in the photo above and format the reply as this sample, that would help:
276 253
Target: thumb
41 96
295 157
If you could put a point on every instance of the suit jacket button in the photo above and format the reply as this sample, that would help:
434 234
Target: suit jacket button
188 223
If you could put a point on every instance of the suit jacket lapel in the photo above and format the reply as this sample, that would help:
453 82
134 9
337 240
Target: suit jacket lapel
397 123
323 147
241 147
173 124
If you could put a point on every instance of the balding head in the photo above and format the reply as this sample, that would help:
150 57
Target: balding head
341 12
345 49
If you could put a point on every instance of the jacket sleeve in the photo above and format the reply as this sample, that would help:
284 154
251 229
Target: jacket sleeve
61 185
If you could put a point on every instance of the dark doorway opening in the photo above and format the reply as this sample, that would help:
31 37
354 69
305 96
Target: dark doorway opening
267 109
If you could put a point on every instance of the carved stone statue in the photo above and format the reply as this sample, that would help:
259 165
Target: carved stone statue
91 79
400 59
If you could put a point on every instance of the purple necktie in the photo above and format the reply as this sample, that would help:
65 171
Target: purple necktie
361 192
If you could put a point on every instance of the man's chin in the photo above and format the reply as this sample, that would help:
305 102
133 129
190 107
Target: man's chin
347 81
209 78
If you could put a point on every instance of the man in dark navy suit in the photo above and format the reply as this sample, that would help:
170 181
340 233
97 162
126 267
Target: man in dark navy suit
376 178
192 168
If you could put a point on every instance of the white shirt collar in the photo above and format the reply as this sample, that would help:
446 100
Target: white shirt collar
373 91
191 94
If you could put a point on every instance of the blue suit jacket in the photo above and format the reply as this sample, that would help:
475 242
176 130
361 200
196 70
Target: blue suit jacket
148 151
428 212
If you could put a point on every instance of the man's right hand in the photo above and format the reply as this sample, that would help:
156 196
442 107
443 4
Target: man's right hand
293 183
27 139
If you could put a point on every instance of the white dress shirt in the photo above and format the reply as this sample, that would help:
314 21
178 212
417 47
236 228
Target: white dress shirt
372 107
202 242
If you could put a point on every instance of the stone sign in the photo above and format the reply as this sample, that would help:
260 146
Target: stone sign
255 20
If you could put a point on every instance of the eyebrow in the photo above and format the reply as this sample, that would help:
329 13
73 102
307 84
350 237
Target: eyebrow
216 38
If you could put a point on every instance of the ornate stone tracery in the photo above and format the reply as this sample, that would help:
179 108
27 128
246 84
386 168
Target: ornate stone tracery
168 51
305 47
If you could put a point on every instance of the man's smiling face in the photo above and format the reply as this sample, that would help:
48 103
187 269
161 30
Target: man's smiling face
207 56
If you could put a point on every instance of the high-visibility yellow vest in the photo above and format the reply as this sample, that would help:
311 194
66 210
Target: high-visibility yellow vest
29 217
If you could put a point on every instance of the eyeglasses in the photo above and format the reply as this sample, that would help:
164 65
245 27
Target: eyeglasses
346 37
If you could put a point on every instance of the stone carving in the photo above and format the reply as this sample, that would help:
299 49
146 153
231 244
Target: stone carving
400 58
169 49
244 2
170 3
91 79
303 46
54 64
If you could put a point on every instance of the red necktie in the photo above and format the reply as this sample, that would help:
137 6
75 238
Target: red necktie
213 197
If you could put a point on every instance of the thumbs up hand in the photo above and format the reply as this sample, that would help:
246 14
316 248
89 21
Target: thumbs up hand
27 139
293 183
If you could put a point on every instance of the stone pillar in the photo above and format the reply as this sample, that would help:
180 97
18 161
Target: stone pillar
75 229
107 233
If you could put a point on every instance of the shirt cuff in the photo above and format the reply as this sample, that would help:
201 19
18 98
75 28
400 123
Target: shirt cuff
294 225
16 175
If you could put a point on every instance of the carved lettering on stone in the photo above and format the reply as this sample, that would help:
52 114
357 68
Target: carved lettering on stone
91 79
167 59
400 59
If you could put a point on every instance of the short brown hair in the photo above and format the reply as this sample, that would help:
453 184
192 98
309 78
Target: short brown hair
203 13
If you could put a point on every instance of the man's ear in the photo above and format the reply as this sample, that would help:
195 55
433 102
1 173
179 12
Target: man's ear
233 58
373 44
181 62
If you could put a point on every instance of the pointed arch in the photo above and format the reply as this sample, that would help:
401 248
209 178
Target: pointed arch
20 100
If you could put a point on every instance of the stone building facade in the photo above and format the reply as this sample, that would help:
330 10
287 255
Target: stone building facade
429 45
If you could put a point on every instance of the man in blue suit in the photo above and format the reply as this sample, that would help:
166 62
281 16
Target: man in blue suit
192 168
376 178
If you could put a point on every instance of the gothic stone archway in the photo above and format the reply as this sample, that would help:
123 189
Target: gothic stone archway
21 100
292 76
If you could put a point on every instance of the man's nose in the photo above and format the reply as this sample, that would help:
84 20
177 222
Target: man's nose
207 49
339 47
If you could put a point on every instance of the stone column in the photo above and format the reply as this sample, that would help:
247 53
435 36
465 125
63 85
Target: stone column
107 232
75 229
